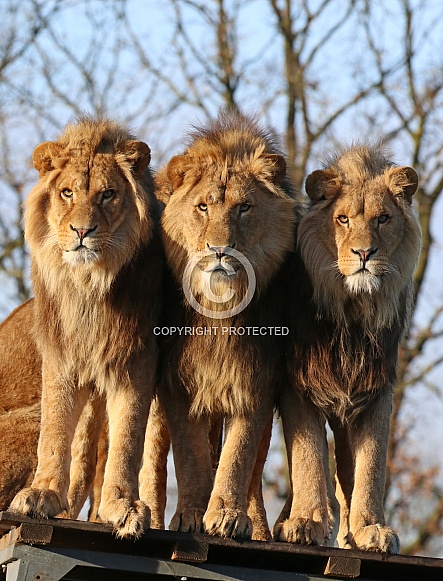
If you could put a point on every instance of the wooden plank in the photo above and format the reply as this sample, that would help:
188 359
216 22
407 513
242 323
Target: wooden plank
190 551
346 567
97 542
10 519
29 533
9 538
35 533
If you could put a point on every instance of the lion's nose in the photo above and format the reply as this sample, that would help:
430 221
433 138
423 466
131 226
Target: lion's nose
365 253
82 232
221 251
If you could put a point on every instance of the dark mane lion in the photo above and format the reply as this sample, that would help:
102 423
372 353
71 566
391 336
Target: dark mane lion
352 293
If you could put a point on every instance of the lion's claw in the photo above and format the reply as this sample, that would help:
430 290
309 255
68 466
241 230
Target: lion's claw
301 531
228 522
129 520
37 502
378 538
188 520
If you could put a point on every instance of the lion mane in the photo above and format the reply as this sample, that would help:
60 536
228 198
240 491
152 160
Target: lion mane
96 269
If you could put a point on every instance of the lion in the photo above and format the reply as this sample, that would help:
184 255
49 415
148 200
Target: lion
20 363
358 246
96 267
20 379
21 386
227 227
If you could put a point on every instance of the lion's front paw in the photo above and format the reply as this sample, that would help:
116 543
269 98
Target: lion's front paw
37 502
188 520
260 528
260 531
129 519
157 519
228 522
376 538
302 531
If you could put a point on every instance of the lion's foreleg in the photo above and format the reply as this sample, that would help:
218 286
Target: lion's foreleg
345 469
226 515
153 475
84 453
256 505
62 403
216 438
335 519
192 460
304 430
97 485
369 435
128 407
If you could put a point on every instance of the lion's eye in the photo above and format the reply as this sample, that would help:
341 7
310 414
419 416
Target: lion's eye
244 208
343 219
383 218
108 194
66 193
202 207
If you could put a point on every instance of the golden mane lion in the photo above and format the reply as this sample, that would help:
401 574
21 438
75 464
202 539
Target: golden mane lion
352 293
228 225
96 271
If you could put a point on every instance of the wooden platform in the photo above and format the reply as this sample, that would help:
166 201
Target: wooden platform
46 550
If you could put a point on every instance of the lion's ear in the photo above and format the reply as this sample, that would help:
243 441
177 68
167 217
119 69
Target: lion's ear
176 170
322 184
276 165
163 186
44 155
138 154
403 181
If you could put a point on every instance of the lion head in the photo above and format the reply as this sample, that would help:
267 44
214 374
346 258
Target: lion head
89 211
228 205
360 240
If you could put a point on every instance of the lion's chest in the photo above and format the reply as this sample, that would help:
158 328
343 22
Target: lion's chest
343 369
222 372
91 341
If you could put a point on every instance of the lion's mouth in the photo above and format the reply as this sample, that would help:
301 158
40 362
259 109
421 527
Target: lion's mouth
365 271
81 254
226 266
363 281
